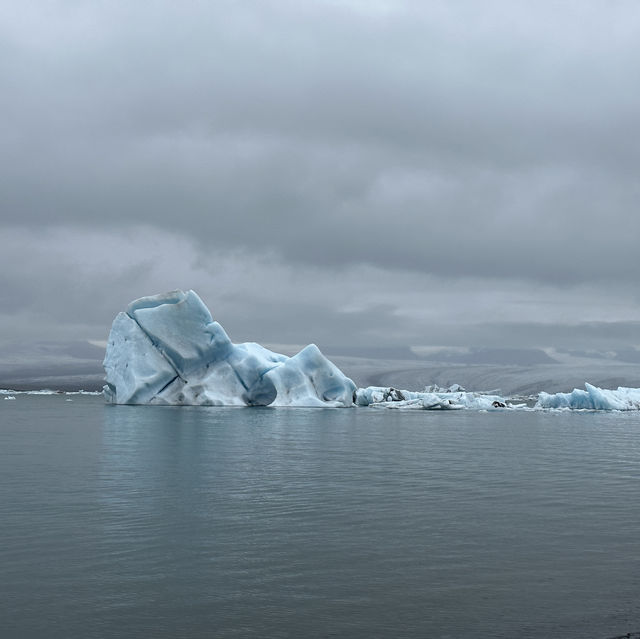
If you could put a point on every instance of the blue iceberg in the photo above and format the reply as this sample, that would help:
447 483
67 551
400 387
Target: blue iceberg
592 398
166 349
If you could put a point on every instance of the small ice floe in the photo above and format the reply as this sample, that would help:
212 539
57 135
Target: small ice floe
10 397
592 398
381 397
43 391
83 392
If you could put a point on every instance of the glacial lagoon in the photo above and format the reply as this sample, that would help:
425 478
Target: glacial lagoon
161 521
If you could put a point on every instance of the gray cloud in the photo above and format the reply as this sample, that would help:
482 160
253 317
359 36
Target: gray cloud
392 151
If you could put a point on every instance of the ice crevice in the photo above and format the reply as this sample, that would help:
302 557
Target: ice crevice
156 346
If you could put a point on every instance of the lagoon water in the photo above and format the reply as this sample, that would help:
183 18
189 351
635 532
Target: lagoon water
159 522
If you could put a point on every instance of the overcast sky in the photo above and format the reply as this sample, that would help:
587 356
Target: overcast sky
345 172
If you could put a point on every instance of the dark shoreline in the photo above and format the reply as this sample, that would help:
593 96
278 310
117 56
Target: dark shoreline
64 384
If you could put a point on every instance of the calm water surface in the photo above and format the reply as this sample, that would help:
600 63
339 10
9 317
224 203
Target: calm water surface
203 522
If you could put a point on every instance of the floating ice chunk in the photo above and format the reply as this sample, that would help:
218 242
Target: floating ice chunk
83 392
168 350
380 394
381 397
9 397
592 398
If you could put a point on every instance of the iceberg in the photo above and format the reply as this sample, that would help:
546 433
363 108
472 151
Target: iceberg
167 349
592 398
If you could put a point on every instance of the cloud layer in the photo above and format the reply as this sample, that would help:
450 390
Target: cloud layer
434 173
